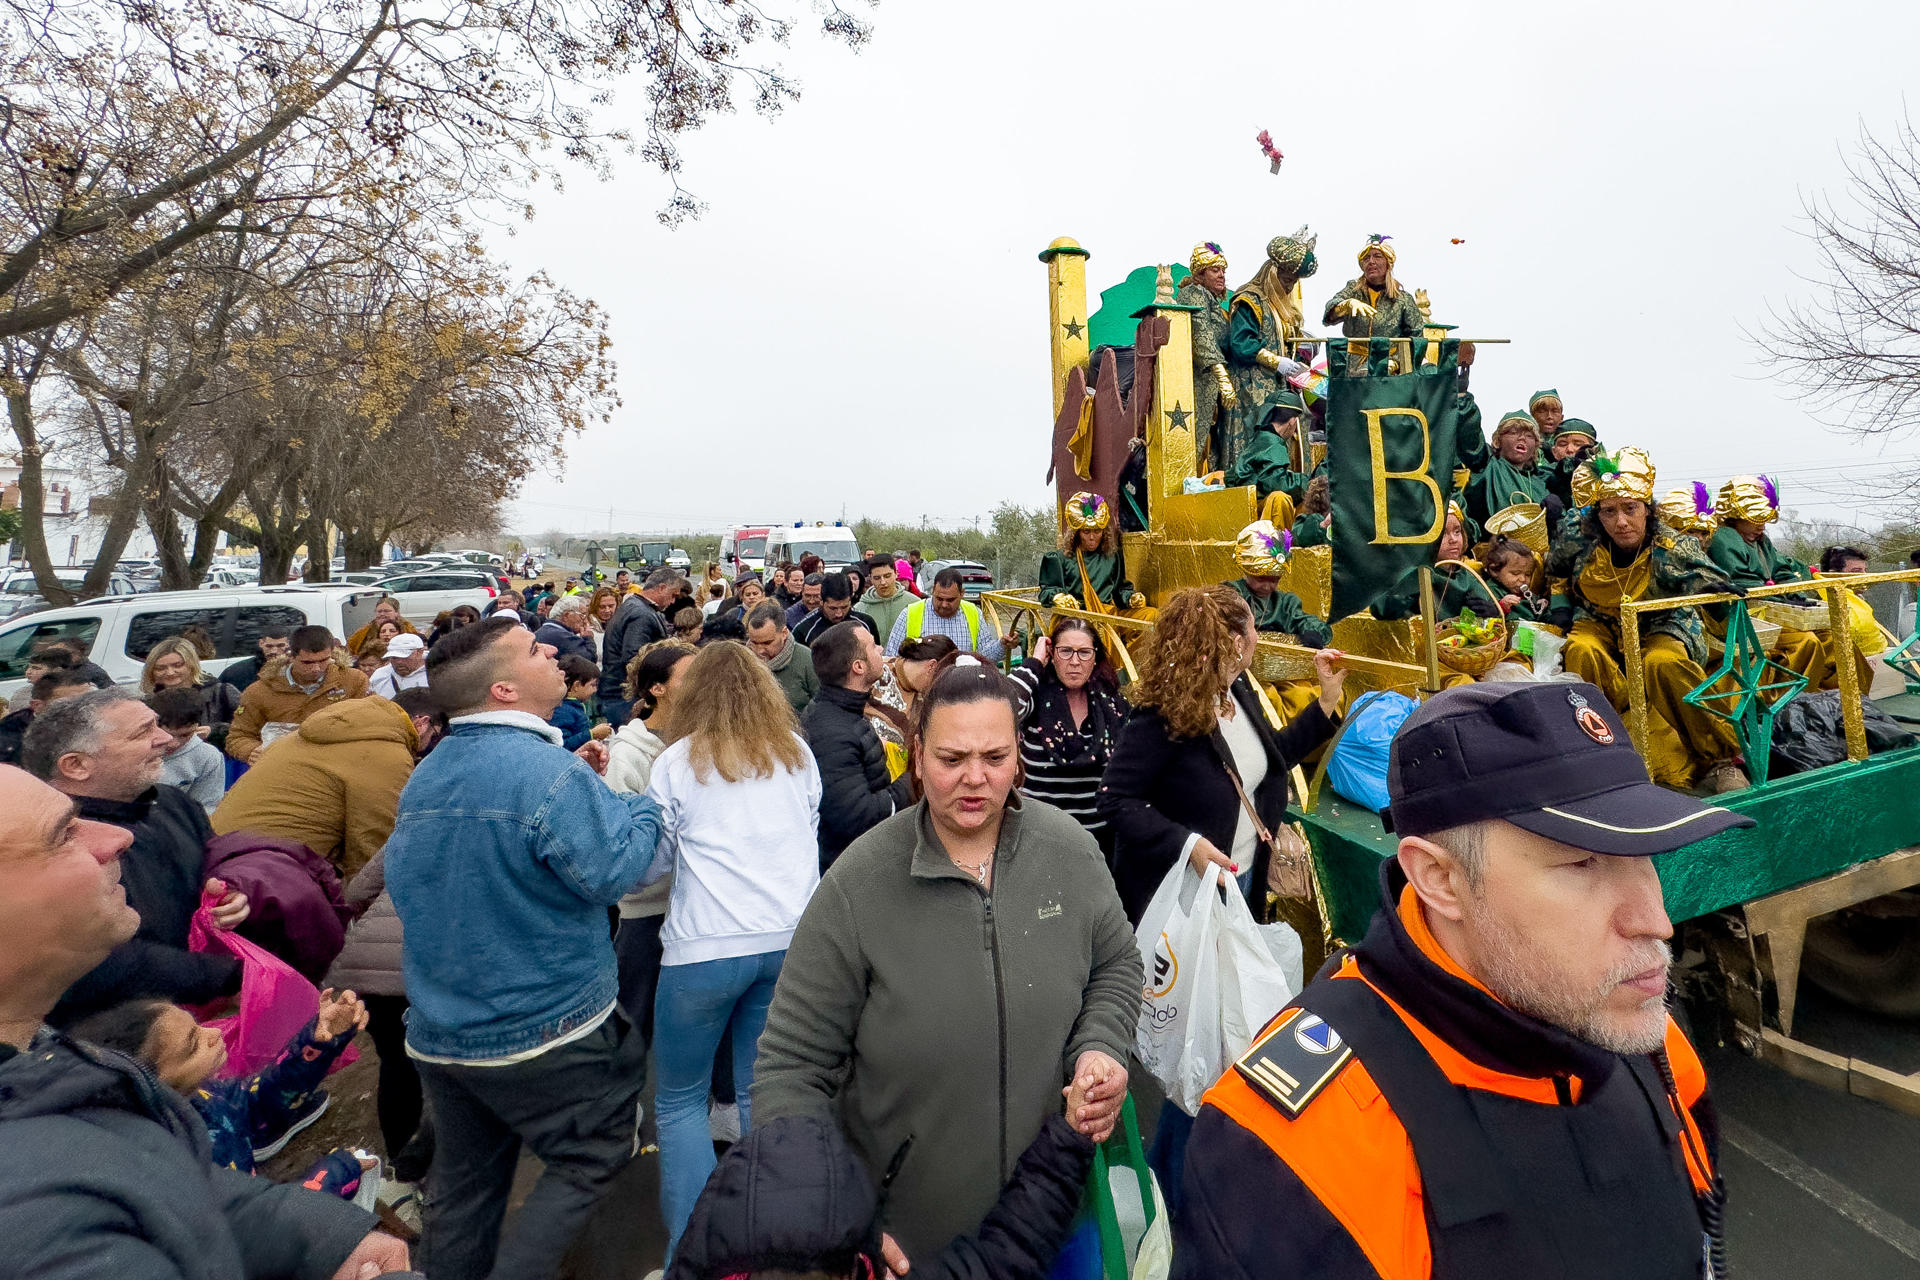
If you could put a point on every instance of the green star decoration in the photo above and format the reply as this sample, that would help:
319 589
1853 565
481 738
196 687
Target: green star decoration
1178 416
1741 681
1074 328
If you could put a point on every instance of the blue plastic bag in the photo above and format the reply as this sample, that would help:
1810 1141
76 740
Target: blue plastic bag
1357 769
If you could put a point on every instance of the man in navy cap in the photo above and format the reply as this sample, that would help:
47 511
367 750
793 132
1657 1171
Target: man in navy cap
1489 1085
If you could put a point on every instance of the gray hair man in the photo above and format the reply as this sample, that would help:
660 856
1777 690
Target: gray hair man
105 749
569 629
106 1174
641 620
788 659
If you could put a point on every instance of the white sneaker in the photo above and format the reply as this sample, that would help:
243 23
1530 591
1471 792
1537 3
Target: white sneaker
724 1122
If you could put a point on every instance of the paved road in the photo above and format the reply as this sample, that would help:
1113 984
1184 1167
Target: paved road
1820 1183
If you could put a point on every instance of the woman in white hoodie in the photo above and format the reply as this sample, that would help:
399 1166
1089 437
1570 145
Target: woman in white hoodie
739 798
653 679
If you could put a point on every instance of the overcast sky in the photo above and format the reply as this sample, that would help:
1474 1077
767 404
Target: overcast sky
857 324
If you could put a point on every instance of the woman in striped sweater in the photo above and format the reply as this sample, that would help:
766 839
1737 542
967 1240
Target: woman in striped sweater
1070 717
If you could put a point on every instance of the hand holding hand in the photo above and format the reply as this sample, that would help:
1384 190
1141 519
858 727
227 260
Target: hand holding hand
1095 1096
230 911
341 1013
1332 677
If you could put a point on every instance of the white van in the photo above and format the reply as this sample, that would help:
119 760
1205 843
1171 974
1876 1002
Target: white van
120 630
833 543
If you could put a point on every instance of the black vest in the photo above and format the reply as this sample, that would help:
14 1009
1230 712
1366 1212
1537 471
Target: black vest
1517 1190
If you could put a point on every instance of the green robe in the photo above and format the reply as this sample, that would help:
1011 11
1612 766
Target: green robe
1678 566
1283 612
1397 317
1251 329
1470 441
1753 564
1452 592
1060 573
1308 532
1209 349
1266 463
1500 484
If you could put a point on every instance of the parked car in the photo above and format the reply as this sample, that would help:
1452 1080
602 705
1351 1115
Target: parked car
120 630
226 579
679 559
426 593
21 582
362 577
974 576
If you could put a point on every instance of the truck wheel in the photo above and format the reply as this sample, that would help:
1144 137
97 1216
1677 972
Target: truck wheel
1870 962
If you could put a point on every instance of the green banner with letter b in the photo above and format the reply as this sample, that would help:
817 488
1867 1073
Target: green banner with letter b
1391 446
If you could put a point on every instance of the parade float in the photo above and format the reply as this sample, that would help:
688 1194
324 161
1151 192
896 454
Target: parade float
1836 848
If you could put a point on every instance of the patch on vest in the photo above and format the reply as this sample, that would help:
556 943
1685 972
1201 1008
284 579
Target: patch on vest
1292 1063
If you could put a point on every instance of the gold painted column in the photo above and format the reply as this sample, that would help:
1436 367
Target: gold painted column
1066 312
1170 450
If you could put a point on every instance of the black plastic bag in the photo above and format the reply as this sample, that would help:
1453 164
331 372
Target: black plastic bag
1809 733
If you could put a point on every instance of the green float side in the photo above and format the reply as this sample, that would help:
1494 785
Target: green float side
1809 825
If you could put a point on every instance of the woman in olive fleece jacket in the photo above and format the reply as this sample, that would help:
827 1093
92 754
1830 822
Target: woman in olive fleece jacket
926 1007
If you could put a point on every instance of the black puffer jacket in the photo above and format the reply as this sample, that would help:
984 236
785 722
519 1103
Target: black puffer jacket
793 1195
855 792
162 871
103 1172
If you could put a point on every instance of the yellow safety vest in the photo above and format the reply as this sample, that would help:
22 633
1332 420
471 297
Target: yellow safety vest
917 617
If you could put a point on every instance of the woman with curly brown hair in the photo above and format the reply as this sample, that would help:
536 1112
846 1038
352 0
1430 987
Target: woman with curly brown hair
1198 725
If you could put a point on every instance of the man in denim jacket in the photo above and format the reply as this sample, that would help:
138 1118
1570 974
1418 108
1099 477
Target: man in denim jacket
505 856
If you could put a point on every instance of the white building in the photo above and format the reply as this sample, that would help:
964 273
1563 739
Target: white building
75 518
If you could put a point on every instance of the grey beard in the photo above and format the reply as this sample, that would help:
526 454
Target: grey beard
1514 978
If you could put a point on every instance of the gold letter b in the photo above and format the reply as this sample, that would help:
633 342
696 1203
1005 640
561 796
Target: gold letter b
1383 535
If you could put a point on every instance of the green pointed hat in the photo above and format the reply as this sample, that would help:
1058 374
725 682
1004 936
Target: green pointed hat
1575 427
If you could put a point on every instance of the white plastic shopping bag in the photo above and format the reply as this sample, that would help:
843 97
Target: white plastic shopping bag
1252 983
1178 1036
1213 980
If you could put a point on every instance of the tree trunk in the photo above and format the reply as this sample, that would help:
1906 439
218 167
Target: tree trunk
313 532
127 507
33 492
361 548
176 572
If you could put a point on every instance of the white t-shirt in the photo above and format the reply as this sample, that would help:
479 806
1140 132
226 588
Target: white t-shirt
1250 760
386 681
744 856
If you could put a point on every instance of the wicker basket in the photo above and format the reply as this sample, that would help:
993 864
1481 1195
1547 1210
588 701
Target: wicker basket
1792 617
1470 659
1524 522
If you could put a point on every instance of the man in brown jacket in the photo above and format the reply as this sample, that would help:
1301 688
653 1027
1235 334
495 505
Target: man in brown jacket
334 784
289 691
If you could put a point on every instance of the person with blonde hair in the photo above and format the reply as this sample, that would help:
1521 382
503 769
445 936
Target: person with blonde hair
739 797
1373 304
174 663
1265 321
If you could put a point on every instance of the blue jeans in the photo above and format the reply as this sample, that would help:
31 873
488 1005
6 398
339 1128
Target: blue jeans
695 1005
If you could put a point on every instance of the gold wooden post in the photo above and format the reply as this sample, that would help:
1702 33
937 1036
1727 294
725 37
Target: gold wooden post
1631 661
1433 640
1066 312
1170 447
1840 643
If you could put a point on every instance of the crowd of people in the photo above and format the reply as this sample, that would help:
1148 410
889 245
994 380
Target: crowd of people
864 905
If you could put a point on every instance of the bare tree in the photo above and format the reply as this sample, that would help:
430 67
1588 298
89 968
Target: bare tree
129 132
1852 350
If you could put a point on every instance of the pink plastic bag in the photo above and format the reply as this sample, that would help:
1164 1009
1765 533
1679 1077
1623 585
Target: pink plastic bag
275 1001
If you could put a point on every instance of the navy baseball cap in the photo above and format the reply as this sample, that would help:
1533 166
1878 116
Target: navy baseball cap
1553 758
